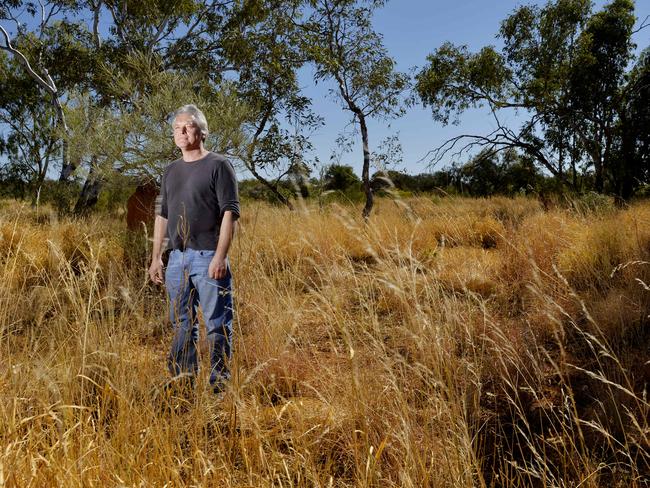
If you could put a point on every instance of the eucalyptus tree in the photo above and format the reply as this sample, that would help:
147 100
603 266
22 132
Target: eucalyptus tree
561 68
596 79
261 41
46 47
339 39
31 144
36 67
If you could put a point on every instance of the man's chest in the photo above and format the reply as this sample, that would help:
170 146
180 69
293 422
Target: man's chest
190 183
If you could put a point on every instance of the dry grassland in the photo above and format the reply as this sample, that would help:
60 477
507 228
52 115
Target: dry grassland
449 343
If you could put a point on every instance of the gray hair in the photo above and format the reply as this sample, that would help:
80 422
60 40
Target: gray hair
196 114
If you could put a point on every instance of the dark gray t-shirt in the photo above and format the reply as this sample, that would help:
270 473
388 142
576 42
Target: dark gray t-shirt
194 197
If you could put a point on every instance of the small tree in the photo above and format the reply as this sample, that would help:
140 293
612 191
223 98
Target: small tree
604 49
261 41
339 39
339 177
633 168
53 55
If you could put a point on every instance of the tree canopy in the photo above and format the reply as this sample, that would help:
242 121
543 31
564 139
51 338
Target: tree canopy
565 67
87 88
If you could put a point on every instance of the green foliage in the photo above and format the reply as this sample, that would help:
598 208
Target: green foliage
592 203
31 144
239 61
416 184
158 54
261 40
486 174
62 195
604 47
340 177
253 189
12 182
631 173
565 66
456 80
115 193
339 39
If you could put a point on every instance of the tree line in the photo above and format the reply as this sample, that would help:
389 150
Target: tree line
508 173
87 86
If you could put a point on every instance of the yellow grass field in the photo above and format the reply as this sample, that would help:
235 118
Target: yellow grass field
447 343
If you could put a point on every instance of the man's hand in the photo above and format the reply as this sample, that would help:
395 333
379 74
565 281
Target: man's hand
217 268
156 271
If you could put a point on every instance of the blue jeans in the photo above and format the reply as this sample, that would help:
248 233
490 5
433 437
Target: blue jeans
188 287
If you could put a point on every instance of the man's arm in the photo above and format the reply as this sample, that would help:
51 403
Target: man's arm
217 268
156 268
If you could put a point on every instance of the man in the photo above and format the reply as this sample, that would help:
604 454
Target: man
199 209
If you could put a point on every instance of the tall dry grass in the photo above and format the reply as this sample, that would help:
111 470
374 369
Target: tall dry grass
450 342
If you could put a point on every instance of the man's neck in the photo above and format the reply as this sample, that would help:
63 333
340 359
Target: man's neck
190 155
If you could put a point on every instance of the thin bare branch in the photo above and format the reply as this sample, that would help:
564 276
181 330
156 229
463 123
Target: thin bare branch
45 18
643 25
46 83
42 14
14 19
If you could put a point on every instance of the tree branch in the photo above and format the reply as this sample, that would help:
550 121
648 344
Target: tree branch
96 11
644 24
14 19
49 86
499 139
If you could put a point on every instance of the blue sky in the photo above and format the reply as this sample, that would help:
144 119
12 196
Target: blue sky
412 29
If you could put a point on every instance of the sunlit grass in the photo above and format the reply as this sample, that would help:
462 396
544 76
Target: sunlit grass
449 342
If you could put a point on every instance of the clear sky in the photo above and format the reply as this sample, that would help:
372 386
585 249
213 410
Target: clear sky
412 29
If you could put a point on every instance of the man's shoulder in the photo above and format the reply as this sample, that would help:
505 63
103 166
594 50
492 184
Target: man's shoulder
219 164
216 158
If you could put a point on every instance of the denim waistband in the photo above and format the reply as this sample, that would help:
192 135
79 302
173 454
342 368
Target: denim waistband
202 252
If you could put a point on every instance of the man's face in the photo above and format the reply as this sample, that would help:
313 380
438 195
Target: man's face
187 134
